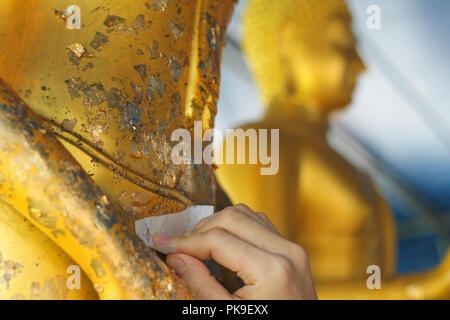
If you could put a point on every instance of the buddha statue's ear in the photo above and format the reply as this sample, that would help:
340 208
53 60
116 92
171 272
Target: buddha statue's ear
285 54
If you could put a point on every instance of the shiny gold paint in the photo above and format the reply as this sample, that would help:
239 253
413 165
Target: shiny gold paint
37 65
87 152
432 285
42 262
303 56
61 200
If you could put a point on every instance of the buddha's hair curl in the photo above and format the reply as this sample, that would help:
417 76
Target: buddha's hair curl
262 22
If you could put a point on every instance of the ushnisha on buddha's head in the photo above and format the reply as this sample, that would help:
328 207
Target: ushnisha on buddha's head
302 53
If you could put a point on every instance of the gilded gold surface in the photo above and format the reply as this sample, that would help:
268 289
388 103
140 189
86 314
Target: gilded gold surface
87 152
304 60
117 88
42 263
44 183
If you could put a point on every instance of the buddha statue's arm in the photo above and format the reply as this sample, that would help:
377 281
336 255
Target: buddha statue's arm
33 267
41 181
434 284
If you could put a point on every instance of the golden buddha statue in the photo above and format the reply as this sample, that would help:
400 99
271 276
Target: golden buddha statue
303 57
90 96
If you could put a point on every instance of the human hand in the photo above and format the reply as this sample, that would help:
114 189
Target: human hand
247 243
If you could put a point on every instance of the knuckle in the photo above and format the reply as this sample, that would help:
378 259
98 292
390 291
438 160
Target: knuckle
200 224
299 253
262 215
242 206
299 257
230 215
247 250
264 218
282 268
246 254
269 225
215 234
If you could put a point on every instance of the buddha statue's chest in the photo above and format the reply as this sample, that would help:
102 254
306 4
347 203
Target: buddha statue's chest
117 86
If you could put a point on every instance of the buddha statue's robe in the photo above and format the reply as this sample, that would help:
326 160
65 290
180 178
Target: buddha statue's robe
111 81
304 61
318 200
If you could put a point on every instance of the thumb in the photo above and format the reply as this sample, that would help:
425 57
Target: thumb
198 277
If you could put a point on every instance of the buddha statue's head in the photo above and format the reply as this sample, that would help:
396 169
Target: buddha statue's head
302 53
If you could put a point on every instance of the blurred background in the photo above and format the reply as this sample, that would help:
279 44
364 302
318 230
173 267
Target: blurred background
397 127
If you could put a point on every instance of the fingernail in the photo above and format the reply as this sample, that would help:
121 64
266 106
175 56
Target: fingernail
177 265
161 239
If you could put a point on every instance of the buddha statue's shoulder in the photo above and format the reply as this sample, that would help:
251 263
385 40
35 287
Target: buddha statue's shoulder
315 157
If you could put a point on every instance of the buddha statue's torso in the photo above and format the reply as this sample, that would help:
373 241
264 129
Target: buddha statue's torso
303 57
318 200
113 88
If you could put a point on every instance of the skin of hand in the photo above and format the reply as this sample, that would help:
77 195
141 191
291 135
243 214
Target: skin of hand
247 243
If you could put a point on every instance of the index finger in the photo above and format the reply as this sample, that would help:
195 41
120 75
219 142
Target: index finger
248 261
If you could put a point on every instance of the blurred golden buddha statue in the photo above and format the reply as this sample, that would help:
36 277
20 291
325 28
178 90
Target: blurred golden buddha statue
90 98
303 57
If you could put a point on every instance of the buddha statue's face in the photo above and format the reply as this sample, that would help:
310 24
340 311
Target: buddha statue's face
322 67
